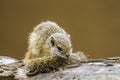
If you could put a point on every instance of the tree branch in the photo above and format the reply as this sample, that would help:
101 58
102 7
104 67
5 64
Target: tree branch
92 69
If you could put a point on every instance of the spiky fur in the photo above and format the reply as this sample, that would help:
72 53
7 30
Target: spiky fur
41 55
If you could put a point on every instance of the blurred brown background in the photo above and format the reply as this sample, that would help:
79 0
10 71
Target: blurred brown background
94 25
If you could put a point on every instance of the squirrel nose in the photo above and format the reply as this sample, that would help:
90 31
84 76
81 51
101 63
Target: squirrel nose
67 55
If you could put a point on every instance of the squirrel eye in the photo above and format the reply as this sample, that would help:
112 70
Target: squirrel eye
52 42
59 48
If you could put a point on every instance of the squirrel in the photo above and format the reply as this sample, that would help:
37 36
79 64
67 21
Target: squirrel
49 48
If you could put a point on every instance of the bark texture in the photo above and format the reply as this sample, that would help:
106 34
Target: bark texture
91 69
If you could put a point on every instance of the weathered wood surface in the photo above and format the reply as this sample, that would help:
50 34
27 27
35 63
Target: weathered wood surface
96 69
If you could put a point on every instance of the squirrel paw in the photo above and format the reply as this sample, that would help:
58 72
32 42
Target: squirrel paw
32 72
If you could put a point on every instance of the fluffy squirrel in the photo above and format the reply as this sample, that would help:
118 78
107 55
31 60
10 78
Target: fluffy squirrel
49 48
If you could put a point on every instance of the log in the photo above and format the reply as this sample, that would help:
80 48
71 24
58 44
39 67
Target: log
91 69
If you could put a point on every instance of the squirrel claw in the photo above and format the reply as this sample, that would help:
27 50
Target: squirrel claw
32 72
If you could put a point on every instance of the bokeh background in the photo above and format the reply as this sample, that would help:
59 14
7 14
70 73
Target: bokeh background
94 25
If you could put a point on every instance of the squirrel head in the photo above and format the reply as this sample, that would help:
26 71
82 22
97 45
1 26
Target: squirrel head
59 44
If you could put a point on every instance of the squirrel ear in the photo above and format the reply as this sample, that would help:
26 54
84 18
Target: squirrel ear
52 41
69 36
